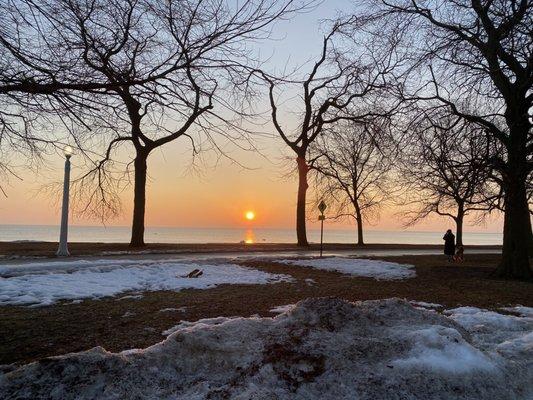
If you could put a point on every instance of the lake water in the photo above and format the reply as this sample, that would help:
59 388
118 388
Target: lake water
117 234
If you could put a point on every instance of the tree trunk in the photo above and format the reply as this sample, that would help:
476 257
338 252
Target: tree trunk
301 233
139 200
459 227
517 224
359 220
516 233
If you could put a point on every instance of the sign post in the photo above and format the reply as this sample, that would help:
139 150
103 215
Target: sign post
321 207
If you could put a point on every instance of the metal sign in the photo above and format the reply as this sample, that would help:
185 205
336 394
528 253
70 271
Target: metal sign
322 206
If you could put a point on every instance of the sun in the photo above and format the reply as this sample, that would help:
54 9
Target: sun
249 215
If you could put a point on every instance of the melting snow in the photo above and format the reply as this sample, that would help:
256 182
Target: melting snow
520 310
491 330
423 304
282 309
320 349
46 283
443 349
358 267
172 309
201 323
129 314
131 296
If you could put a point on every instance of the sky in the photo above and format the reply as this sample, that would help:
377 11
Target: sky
214 196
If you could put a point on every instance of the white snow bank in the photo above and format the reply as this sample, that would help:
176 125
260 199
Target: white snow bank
476 319
100 278
358 267
521 347
490 330
520 310
321 349
444 349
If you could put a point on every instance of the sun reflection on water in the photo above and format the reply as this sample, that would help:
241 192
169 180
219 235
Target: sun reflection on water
249 237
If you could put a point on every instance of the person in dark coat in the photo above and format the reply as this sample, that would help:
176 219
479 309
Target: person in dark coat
449 244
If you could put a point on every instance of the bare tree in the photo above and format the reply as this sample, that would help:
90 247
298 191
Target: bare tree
337 80
38 78
478 53
445 170
353 163
166 66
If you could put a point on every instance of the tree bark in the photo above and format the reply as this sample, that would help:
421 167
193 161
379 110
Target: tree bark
516 233
359 220
139 200
303 169
459 227
517 224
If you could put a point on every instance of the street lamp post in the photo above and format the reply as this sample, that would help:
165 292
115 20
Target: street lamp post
62 251
321 207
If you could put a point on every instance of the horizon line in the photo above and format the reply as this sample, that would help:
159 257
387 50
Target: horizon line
245 228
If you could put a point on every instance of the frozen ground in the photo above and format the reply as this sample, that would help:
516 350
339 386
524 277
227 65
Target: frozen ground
45 283
318 349
358 267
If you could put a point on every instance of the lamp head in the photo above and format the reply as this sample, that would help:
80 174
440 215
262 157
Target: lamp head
68 151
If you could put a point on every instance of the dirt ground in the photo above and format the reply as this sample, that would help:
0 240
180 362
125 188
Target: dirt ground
28 334
48 249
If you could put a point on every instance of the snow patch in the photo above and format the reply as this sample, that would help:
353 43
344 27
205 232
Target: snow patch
377 269
201 323
131 296
520 310
99 264
521 347
42 284
282 309
320 349
172 309
423 304
444 349
129 314
507 335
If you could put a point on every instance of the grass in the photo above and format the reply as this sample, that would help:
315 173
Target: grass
28 334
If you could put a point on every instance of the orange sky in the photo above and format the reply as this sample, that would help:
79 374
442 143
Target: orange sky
219 196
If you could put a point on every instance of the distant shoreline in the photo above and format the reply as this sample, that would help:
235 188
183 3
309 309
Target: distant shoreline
334 228
48 249
233 236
